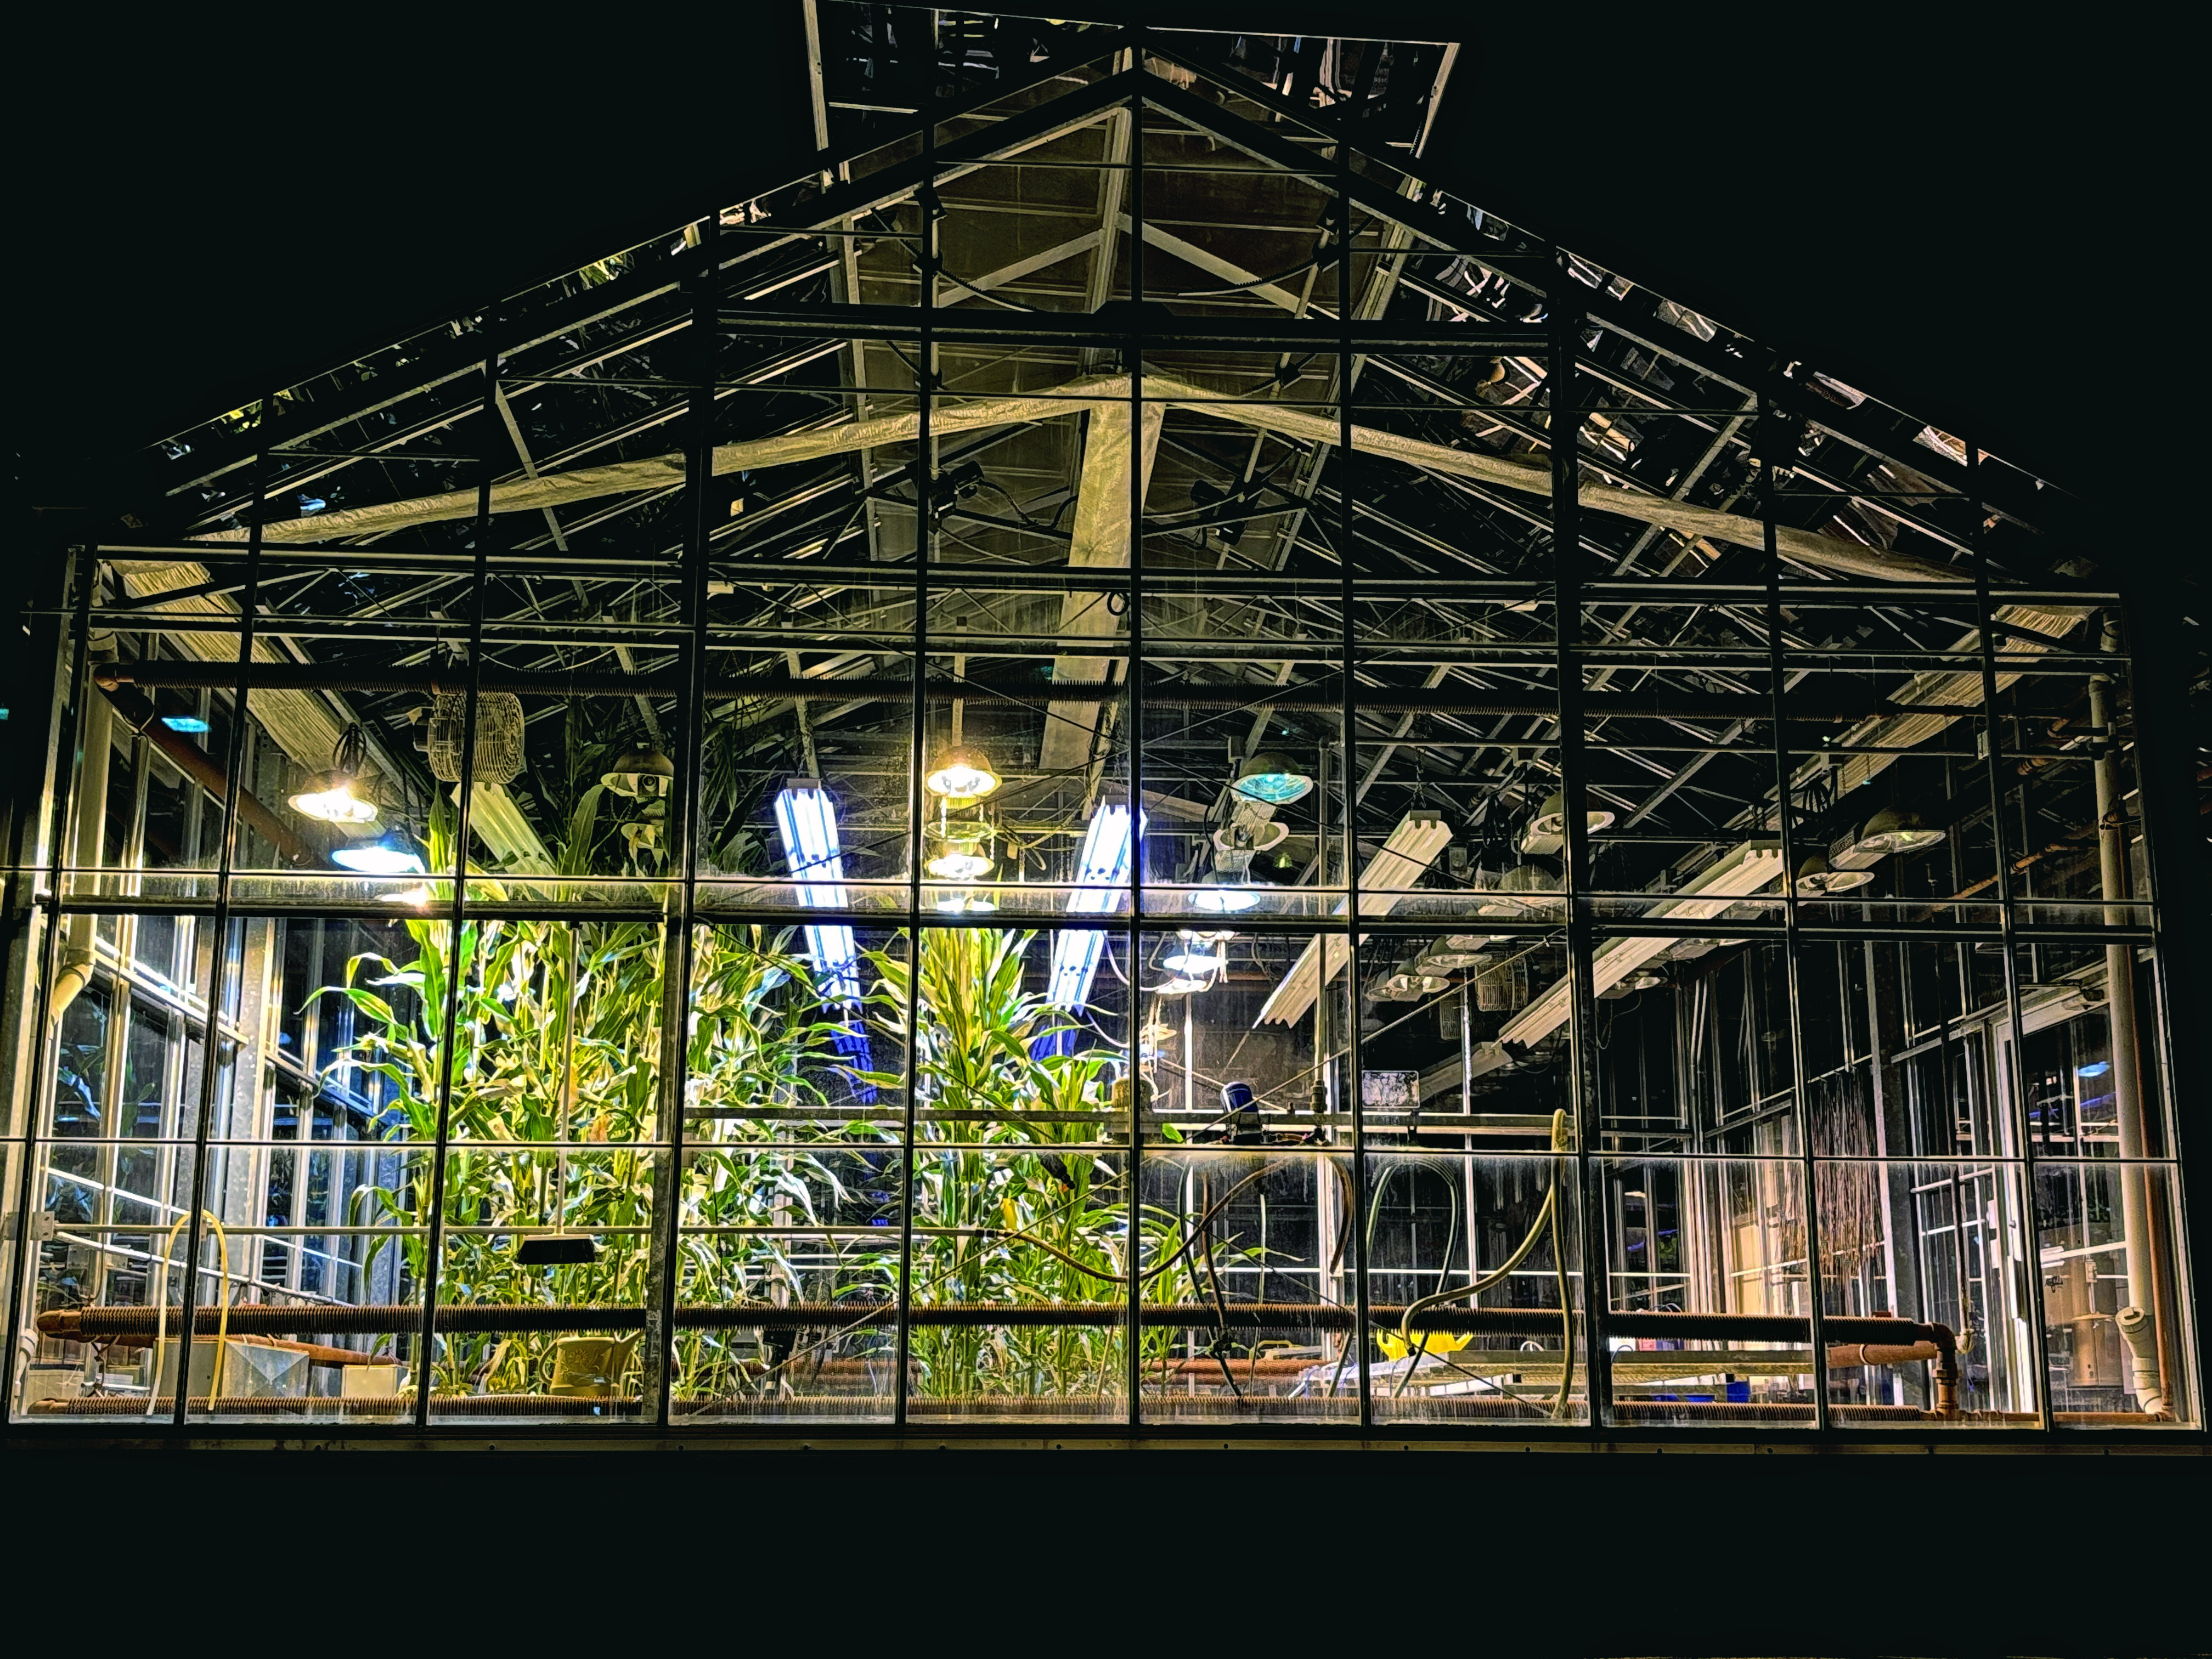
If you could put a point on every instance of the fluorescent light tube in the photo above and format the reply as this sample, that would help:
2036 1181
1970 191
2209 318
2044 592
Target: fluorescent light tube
1102 876
806 816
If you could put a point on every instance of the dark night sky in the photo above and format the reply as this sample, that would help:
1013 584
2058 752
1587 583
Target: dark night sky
1961 217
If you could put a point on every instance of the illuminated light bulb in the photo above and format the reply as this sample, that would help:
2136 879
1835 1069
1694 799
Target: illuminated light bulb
959 854
387 854
1271 780
191 724
958 866
335 796
1200 963
1181 986
330 796
963 775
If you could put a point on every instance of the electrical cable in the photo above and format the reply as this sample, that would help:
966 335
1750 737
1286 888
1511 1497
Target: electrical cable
1547 1218
1220 1306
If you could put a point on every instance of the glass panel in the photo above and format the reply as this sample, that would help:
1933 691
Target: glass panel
789 1278
1709 1317
1002 1236
2072 819
2115 1320
1474 1284
809 739
1248 1313
1019 1282
1923 1271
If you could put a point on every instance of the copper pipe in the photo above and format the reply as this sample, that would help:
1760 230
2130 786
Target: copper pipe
318 1354
87 1324
1072 1411
1318 695
138 712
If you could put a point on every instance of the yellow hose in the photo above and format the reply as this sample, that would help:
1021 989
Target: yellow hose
1475 1287
161 1315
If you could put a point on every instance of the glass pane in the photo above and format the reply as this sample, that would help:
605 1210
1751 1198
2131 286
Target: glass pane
2115 1320
1924 1267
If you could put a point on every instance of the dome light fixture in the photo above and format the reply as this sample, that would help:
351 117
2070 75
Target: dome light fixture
959 854
1894 830
394 853
1437 963
961 774
336 795
1552 818
1182 985
1270 779
1201 954
641 773
1816 880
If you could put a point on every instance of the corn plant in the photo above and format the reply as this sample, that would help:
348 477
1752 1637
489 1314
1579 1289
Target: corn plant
1003 1216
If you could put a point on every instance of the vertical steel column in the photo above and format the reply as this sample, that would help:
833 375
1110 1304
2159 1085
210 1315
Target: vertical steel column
457 968
2031 1274
679 954
218 947
1362 1291
2166 826
1562 310
1134 679
2141 1223
925 536
1785 807
85 561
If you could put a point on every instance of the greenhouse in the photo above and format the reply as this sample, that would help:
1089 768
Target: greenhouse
1114 763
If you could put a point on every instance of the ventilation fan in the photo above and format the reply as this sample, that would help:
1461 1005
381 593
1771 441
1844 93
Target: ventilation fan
1502 987
1518 892
499 736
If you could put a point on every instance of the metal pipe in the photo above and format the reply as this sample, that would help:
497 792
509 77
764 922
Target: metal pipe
2147 1375
73 972
106 1324
139 714
1315 697
1077 1412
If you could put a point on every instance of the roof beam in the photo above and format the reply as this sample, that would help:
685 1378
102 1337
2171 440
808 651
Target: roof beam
1102 540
